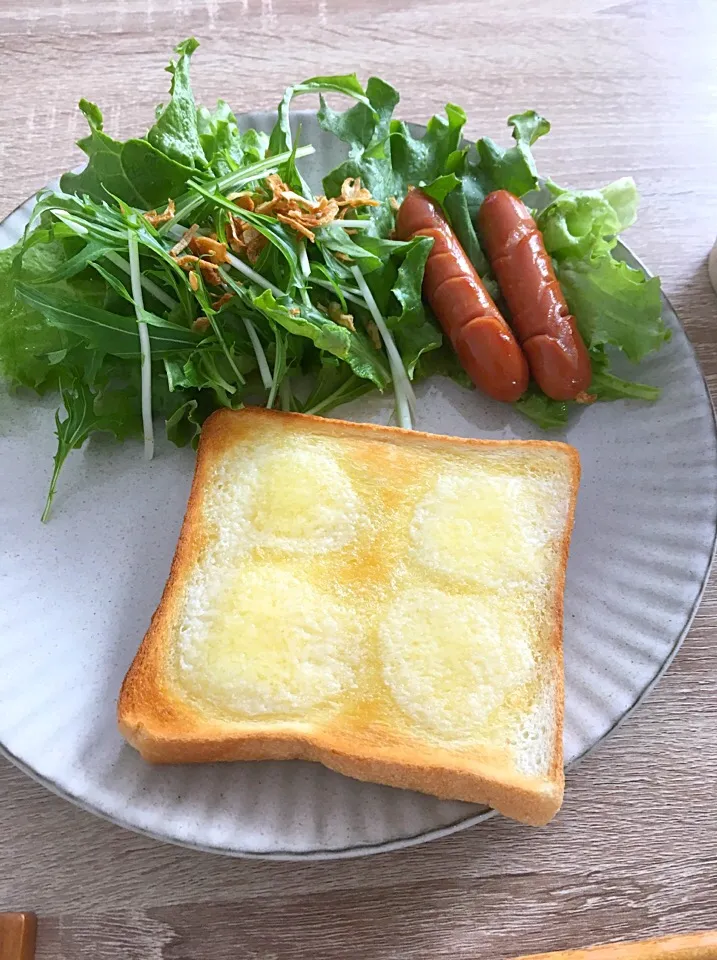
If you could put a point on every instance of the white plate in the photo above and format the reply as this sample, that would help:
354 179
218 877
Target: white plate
76 597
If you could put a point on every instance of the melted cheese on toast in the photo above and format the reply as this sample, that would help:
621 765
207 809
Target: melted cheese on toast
396 590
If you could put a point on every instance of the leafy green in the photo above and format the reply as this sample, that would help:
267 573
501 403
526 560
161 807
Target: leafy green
413 327
442 362
417 160
334 238
112 333
528 127
583 223
335 385
81 420
225 148
546 413
185 424
614 304
306 321
175 132
280 365
27 341
134 171
203 371
462 205
365 127
512 169
89 253
367 123
606 386
347 84
219 137
439 188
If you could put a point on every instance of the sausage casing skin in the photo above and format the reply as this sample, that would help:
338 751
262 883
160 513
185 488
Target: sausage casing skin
485 344
540 316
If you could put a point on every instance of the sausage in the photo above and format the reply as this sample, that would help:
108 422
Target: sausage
547 332
485 344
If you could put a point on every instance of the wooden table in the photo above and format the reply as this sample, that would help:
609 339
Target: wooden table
631 89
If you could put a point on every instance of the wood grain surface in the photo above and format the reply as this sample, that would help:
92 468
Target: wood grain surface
631 88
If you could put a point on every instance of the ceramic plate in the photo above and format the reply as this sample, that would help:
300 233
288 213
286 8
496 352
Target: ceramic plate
76 596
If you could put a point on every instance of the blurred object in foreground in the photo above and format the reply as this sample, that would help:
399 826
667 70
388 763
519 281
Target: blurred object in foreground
17 936
684 946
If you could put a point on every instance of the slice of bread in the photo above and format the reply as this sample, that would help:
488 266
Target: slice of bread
386 602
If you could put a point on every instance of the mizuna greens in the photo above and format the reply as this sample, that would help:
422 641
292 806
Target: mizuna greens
193 268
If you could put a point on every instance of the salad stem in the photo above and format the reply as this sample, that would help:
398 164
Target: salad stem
53 489
149 285
348 294
145 347
253 275
304 260
261 360
279 359
330 401
306 271
405 397
352 224
79 225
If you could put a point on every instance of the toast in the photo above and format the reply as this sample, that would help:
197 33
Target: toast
684 946
386 602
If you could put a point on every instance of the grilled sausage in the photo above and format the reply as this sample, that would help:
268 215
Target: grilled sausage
485 344
547 332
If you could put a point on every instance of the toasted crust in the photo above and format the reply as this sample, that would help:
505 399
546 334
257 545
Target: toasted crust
164 728
687 946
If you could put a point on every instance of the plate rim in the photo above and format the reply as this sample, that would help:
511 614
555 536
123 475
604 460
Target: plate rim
355 850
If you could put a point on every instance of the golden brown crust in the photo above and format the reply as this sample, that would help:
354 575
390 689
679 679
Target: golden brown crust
167 729
687 946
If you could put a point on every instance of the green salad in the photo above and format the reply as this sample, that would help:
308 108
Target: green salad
194 268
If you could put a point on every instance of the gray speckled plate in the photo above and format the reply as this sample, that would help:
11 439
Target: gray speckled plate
76 597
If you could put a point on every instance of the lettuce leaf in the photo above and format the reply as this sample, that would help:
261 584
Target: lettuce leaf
225 148
367 123
419 160
606 386
335 385
396 288
353 347
442 362
584 223
614 304
365 128
415 330
133 171
144 172
185 424
513 168
29 346
462 205
175 132
546 413
33 352
347 84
